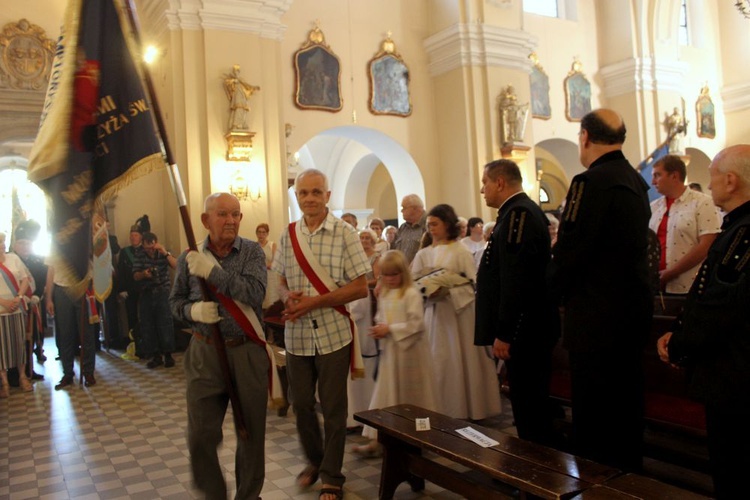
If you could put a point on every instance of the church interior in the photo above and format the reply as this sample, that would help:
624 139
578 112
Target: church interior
246 108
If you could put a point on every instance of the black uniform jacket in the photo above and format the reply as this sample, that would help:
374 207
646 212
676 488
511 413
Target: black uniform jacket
512 301
599 263
712 336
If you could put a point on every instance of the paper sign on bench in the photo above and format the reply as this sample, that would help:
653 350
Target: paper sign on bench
477 437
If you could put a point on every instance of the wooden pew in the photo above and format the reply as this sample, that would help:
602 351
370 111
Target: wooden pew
633 486
668 408
511 469
666 392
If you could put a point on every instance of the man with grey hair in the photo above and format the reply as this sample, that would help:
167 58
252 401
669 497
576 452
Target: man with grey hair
711 338
410 233
235 271
323 267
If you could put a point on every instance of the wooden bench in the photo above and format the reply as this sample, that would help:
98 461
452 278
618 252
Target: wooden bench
513 468
668 408
633 486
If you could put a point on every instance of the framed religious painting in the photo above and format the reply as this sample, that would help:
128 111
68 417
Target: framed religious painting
577 93
389 82
704 110
317 75
540 106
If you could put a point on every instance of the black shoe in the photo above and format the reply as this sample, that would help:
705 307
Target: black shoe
157 361
65 382
283 411
36 376
168 361
89 379
40 357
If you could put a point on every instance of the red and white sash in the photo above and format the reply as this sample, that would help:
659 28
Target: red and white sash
245 316
323 283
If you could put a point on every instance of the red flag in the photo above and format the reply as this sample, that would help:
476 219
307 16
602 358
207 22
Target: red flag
96 133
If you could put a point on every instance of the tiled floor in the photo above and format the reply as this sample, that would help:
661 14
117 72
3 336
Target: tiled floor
125 438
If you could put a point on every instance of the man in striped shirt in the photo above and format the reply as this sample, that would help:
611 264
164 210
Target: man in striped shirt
318 338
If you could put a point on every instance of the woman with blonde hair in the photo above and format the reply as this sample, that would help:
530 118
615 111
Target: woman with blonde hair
13 287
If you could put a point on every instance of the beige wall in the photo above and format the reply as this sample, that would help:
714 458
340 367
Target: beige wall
560 41
453 130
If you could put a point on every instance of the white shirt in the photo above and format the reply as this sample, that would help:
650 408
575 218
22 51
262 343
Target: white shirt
692 215
337 248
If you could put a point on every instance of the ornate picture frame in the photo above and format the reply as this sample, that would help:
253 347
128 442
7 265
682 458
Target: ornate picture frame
389 82
540 105
317 75
705 115
577 93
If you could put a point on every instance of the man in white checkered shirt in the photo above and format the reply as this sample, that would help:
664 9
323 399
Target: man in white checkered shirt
318 338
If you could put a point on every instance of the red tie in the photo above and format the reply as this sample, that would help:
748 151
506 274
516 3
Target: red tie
662 235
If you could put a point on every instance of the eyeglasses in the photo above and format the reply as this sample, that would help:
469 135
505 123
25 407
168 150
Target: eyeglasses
391 274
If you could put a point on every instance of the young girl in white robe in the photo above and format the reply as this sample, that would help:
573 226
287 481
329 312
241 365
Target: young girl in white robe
404 373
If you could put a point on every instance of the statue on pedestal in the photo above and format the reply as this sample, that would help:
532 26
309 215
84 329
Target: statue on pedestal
512 117
238 92
676 125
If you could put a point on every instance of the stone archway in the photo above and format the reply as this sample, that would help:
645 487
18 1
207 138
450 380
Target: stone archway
349 156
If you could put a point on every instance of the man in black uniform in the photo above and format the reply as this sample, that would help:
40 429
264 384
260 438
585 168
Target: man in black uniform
600 270
514 312
128 287
712 336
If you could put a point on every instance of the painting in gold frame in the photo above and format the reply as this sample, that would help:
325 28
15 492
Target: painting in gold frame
539 81
705 114
317 75
389 82
577 93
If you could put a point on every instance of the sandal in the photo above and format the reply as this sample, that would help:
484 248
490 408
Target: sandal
337 492
368 450
307 477
25 384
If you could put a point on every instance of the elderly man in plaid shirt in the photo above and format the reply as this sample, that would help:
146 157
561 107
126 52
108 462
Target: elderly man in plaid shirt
317 334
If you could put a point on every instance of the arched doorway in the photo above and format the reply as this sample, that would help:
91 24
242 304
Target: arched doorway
697 169
557 162
21 199
368 172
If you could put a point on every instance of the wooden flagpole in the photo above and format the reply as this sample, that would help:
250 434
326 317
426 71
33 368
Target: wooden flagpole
174 178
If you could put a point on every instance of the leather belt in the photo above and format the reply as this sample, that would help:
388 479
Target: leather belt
231 342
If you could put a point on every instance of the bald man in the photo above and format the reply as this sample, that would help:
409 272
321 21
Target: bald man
712 336
600 271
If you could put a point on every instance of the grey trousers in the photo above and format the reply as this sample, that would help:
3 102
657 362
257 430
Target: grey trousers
207 402
330 372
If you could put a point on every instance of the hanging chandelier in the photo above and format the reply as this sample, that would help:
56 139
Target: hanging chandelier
744 7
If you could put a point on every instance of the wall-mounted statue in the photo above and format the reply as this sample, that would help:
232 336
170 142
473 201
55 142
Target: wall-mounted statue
238 92
512 117
676 126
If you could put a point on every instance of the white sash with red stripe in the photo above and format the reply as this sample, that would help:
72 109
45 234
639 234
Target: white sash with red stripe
242 313
323 283
245 316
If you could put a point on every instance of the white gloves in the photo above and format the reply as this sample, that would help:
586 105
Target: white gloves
205 312
199 265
